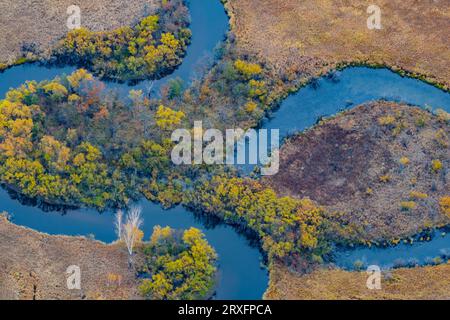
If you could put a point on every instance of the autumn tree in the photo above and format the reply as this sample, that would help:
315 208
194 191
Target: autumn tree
181 265
150 49
167 119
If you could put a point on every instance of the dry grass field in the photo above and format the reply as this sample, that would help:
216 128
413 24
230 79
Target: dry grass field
374 166
44 22
352 164
312 36
431 283
33 266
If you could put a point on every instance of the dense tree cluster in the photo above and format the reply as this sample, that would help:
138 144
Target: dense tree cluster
286 226
130 147
70 141
67 141
151 49
180 265
233 93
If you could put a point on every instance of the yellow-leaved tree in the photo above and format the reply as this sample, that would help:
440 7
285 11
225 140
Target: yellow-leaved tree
167 118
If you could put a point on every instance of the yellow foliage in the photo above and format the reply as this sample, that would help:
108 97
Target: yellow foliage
138 235
160 233
248 70
257 88
58 153
404 161
78 76
79 160
444 203
286 225
114 278
386 121
166 118
73 97
169 40
408 205
417 195
441 138
443 116
250 106
150 23
436 165
21 127
55 88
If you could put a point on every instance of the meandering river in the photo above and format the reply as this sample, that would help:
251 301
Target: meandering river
241 275
402 255
240 272
349 88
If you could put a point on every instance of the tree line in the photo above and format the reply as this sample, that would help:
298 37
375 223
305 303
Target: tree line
148 50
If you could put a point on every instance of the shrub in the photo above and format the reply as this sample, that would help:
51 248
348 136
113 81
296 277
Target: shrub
443 116
250 106
114 279
247 69
386 121
404 161
407 205
441 138
421 122
417 195
444 204
436 165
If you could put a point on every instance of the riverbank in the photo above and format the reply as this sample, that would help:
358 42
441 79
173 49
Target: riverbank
428 283
299 40
380 170
33 266
234 76
43 23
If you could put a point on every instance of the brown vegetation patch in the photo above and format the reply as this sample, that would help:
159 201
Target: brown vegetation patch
372 167
33 266
312 36
44 22
430 283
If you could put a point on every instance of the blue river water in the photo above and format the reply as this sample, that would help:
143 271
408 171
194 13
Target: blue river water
241 275
349 88
402 255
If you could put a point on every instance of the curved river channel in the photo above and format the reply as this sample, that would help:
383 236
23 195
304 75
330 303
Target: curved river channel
240 272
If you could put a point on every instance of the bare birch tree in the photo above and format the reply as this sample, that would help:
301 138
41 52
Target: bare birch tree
131 229
118 225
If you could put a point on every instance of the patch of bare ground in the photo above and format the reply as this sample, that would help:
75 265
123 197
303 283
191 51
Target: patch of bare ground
311 37
380 169
428 283
44 22
33 266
